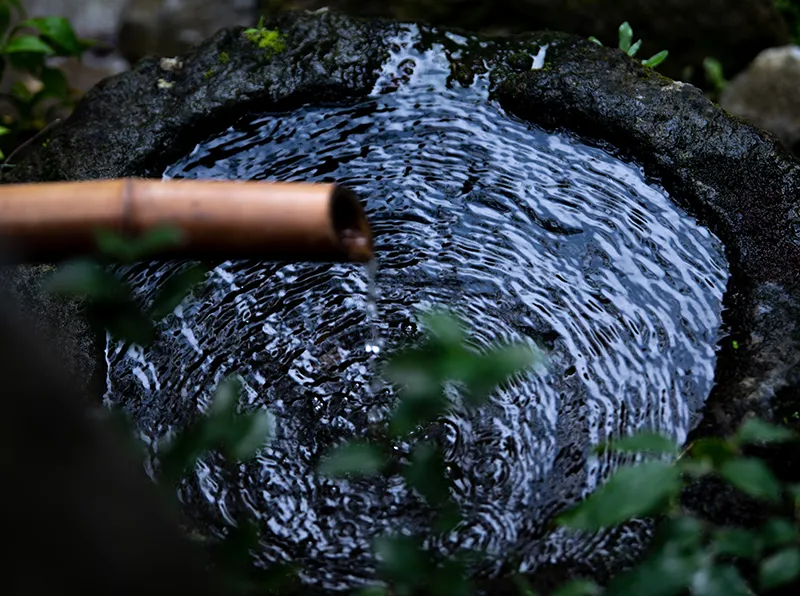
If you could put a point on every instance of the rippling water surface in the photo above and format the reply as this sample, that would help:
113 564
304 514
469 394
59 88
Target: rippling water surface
528 235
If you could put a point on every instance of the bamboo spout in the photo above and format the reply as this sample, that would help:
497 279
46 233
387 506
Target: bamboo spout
217 218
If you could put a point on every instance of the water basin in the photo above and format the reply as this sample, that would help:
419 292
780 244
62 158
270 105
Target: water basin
527 235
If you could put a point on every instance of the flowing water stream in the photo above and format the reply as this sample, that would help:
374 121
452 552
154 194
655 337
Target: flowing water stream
529 236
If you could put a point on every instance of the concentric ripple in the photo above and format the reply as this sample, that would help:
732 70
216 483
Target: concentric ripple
527 235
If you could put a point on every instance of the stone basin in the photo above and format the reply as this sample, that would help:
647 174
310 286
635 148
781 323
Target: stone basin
734 179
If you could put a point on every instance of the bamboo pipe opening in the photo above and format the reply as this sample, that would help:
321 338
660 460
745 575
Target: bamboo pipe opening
350 224
216 218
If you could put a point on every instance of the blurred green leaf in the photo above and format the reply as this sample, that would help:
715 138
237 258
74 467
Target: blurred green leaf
752 477
777 532
86 278
444 328
667 573
175 289
593 39
413 411
779 569
642 442
633 491
656 59
488 371
737 542
250 434
755 431
715 76
579 587
427 474
402 560
625 36
124 321
374 591
353 459
237 436
129 250
634 49
55 84
522 585
4 131
720 580
28 44
58 31
226 397
715 451
449 579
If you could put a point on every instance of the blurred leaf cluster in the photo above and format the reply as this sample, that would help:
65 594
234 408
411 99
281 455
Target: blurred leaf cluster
692 555
26 47
110 302
427 377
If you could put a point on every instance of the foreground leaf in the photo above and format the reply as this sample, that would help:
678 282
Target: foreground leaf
632 492
778 532
352 459
129 250
755 430
737 542
668 573
427 474
402 560
57 30
779 569
175 289
88 279
578 587
720 581
642 442
752 477
28 44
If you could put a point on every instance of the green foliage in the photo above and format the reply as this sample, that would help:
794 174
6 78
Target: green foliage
425 374
270 40
716 77
26 48
353 459
110 302
627 45
236 436
694 556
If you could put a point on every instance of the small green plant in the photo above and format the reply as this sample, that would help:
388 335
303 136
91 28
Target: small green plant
625 39
270 40
26 48
714 74
224 58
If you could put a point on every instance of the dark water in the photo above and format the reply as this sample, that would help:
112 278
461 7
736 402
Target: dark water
529 236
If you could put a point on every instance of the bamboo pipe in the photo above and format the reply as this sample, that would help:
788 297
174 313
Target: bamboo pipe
218 218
